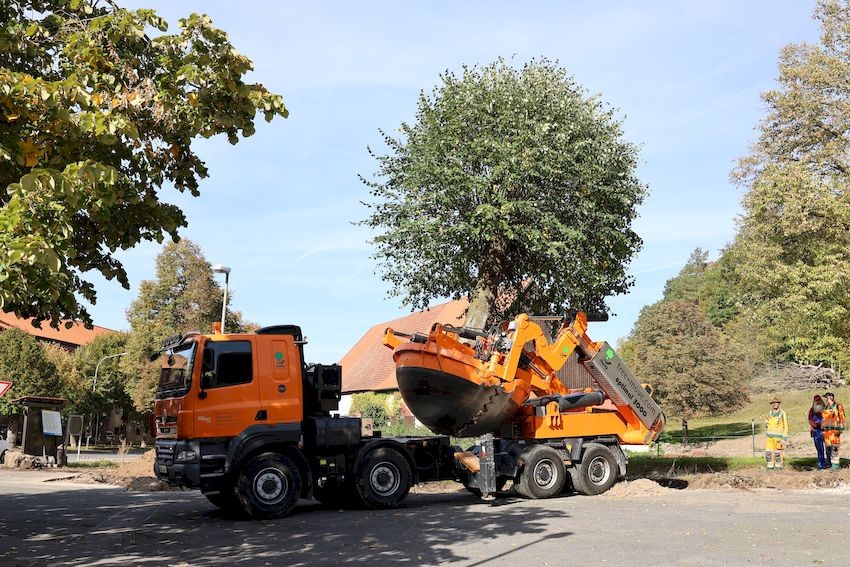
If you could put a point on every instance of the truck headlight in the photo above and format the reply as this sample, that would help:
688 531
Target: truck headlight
184 456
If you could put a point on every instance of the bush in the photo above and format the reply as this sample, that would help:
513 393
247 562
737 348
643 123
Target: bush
382 408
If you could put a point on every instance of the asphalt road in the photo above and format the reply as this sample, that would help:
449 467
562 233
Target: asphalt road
59 523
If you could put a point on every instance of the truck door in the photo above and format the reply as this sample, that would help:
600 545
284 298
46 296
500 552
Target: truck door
229 399
281 374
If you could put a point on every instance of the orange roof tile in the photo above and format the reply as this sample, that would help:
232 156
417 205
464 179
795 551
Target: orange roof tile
77 335
369 365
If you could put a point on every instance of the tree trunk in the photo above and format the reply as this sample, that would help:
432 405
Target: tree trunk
482 304
481 308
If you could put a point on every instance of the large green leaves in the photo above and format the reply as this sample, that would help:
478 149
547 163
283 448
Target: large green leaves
794 243
507 176
95 118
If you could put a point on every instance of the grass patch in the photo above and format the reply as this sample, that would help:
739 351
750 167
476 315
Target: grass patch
739 423
643 465
105 464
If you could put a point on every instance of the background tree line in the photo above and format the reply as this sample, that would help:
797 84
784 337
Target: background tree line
780 291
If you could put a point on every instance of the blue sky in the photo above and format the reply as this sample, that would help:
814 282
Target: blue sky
278 207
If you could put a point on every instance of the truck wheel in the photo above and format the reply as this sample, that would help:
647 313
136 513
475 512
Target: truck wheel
597 471
226 500
269 486
543 475
382 478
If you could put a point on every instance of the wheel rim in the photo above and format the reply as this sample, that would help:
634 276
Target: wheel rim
545 474
385 478
599 471
270 486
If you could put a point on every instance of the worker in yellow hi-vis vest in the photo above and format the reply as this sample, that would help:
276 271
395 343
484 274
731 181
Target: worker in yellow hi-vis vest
776 426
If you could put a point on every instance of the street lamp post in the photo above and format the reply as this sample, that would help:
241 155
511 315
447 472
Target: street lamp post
97 366
219 269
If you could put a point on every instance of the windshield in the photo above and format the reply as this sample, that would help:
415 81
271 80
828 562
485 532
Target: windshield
176 374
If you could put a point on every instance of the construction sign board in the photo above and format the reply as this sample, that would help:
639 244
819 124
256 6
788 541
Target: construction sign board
4 387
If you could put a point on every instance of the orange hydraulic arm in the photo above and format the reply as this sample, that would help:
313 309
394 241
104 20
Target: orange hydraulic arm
521 363
509 358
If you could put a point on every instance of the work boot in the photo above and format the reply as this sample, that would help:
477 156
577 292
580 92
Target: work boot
835 467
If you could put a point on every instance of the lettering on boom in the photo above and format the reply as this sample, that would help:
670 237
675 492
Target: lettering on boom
626 385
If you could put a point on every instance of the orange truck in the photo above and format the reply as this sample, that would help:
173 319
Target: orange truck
242 418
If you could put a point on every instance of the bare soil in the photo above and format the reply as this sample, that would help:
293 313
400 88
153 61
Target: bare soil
132 475
138 475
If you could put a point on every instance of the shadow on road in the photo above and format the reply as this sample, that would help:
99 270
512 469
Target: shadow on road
105 527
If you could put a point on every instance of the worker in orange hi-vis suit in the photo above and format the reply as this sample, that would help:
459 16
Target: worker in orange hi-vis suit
776 426
833 425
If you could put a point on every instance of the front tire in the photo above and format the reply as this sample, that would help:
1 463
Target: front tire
597 471
269 486
543 475
382 478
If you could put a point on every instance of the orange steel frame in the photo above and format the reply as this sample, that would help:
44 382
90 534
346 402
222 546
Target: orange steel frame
444 351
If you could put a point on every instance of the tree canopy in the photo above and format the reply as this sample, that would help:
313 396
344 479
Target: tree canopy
22 360
183 297
781 291
693 368
96 118
100 388
793 248
507 176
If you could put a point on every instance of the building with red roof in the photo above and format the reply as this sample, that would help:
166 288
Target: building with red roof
69 338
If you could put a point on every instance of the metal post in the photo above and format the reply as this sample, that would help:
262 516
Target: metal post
753 426
219 269
97 366
224 302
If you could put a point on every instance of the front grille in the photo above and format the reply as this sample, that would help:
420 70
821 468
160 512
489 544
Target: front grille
164 453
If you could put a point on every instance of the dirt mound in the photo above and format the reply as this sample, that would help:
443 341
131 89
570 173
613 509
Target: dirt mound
132 475
636 489
141 467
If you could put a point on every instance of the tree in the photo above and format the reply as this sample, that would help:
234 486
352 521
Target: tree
507 177
110 389
184 297
95 118
66 370
687 285
693 368
794 242
23 362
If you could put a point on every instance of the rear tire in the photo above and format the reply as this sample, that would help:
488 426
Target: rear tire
597 471
269 486
382 478
543 475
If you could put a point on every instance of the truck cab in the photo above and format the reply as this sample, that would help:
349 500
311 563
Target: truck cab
222 399
242 418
